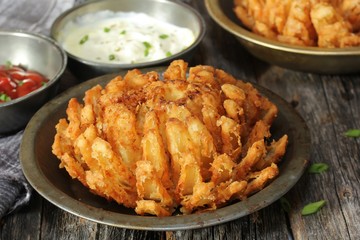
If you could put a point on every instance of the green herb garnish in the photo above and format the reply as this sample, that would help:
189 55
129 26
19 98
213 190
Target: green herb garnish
84 39
4 97
8 64
318 168
147 48
285 204
147 44
106 29
163 36
111 57
313 207
168 54
123 32
353 133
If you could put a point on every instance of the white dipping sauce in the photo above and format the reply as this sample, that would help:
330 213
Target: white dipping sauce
123 37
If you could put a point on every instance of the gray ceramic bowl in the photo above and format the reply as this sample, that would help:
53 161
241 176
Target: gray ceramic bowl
38 53
173 12
307 59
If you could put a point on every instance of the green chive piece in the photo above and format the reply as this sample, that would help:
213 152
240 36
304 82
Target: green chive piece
8 64
147 44
111 57
147 48
163 36
285 204
318 168
20 83
146 52
353 133
4 97
312 207
84 39
106 29
168 54
123 32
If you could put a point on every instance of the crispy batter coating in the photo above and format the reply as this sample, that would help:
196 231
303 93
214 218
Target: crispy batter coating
322 23
193 142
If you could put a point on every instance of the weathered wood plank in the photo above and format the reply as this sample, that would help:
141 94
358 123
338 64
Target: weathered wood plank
25 224
107 232
58 224
323 101
263 224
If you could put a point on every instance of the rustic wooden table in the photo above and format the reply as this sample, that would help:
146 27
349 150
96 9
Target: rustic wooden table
330 105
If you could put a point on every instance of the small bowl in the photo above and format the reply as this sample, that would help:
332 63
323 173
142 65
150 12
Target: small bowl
173 12
38 53
306 59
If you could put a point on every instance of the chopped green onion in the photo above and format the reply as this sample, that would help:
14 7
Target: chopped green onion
168 54
318 168
84 39
111 57
106 29
353 133
147 44
8 64
20 83
4 97
123 32
163 36
285 204
313 207
147 48
146 52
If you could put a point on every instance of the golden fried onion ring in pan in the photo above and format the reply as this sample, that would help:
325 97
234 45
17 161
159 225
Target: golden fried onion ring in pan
322 23
193 142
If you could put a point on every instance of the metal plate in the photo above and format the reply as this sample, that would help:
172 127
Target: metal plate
307 59
31 51
173 12
41 169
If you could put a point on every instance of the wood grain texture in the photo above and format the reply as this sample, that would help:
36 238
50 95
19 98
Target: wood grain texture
330 105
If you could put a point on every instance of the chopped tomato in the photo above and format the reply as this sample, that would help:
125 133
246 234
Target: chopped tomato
27 86
16 81
18 75
16 69
8 87
36 77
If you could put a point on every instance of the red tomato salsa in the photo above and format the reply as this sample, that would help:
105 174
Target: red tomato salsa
16 81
